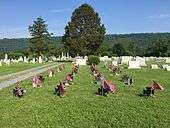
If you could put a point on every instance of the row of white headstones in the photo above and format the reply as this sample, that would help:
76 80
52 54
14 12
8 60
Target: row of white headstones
25 59
132 62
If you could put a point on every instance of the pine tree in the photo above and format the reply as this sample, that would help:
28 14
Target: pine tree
84 33
40 38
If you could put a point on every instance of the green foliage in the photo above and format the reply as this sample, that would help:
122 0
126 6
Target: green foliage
16 67
132 49
15 55
93 60
82 108
160 48
84 33
119 49
103 51
2 55
39 43
146 44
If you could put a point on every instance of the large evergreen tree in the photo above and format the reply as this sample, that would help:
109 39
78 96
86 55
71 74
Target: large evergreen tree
84 33
40 38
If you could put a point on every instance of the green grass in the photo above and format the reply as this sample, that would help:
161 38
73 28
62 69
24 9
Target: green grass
82 108
16 67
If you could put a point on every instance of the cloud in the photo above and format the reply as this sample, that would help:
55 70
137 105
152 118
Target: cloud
159 16
60 10
13 32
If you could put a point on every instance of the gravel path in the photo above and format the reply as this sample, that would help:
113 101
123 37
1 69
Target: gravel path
26 74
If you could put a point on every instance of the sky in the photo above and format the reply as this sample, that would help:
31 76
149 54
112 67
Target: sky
118 16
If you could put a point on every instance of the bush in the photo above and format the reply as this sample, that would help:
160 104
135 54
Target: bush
93 60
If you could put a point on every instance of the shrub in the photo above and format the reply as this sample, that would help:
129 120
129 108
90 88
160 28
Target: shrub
93 60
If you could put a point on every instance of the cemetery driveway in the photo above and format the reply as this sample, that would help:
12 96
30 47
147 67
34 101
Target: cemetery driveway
20 76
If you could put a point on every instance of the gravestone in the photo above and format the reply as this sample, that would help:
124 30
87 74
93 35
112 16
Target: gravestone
6 57
115 63
164 66
126 59
20 59
86 57
105 58
40 59
134 65
25 59
81 61
53 58
154 66
67 56
168 60
0 63
8 62
168 68
141 60
33 61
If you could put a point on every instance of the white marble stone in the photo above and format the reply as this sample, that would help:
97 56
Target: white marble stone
0 63
8 62
6 57
134 65
33 61
141 60
154 66
86 57
168 68
168 60
80 61
105 58
40 59
164 66
20 59
26 59
53 58
114 62
126 59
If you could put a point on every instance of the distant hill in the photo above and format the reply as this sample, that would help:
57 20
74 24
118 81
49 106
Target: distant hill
141 39
21 44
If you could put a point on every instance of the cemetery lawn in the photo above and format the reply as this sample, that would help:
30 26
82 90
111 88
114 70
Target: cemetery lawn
82 108
16 67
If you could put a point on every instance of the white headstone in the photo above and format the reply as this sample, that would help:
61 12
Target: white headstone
141 60
68 55
134 65
20 59
0 63
25 59
114 62
105 58
80 61
154 66
168 60
40 59
53 58
168 68
8 62
6 57
126 59
86 57
33 61
164 66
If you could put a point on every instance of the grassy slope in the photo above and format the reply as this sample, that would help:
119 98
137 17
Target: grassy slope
82 108
16 67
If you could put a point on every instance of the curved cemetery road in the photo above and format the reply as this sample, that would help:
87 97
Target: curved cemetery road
13 75
27 75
